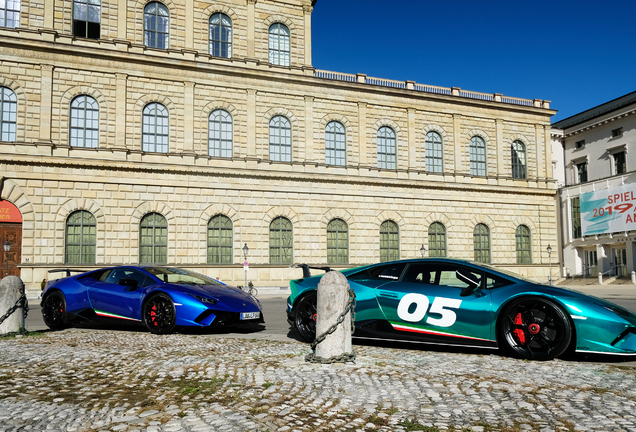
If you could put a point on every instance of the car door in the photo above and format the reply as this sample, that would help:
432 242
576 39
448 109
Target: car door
116 296
439 302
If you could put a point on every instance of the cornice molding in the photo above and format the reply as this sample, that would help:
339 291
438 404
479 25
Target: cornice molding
600 123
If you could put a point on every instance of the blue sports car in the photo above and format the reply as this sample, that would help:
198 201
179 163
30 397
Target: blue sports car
161 298
456 302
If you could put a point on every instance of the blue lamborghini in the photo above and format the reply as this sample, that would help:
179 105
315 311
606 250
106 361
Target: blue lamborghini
161 298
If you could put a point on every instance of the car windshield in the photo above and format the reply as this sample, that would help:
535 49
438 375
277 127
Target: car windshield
180 276
504 272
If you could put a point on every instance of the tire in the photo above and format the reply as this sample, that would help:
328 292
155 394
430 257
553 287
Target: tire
535 328
305 316
159 314
54 311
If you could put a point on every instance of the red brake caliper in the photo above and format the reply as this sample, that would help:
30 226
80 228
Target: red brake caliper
314 317
153 314
518 332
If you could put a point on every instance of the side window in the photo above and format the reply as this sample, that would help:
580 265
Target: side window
458 277
420 273
115 275
383 272
495 281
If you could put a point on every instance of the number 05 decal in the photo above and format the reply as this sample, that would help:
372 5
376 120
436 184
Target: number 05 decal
441 305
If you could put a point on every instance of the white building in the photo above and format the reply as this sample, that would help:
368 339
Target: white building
597 201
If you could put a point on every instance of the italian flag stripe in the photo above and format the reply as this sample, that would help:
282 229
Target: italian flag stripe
432 332
111 315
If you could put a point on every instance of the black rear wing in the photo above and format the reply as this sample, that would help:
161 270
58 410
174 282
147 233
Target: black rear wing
306 267
67 271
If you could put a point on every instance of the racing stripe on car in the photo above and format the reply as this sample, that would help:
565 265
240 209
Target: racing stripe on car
433 332
111 315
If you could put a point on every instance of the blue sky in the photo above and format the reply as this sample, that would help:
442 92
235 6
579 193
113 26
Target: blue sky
577 54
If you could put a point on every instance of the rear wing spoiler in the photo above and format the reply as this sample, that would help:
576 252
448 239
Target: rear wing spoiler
306 267
67 271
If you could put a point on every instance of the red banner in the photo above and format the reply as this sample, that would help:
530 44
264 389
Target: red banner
9 212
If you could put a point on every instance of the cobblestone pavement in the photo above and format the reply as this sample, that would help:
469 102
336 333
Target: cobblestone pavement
88 380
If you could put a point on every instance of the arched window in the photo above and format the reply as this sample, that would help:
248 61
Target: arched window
84 122
86 18
434 152
81 238
220 240
280 139
387 155
279 44
153 239
389 241
477 156
335 144
8 114
155 128
281 241
481 242
437 240
156 25
518 156
220 35
337 242
524 252
220 134
10 13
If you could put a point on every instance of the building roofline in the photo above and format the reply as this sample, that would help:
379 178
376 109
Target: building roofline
597 111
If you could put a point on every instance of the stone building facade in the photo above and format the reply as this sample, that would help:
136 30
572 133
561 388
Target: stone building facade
211 117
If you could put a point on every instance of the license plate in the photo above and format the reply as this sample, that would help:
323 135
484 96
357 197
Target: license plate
250 315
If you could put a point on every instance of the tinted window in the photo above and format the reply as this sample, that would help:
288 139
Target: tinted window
384 272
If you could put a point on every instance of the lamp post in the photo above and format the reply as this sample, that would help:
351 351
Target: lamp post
423 251
245 264
7 248
550 261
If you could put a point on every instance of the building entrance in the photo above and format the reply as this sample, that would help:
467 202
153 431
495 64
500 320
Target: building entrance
591 263
619 261
11 231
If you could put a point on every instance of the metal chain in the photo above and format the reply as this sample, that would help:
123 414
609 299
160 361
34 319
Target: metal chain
21 303
345 357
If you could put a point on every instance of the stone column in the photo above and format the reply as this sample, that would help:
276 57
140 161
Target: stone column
307 10
49 14
499 148
458 145
309 129
538 139
547 144
189 29
46 100
412 141
120 114
11 289
122 17
188 119
251 123
362 133
251 43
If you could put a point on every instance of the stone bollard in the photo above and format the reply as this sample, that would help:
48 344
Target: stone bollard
633 277
333 297
11 289
600 278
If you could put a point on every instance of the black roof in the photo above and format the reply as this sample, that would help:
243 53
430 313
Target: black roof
597 111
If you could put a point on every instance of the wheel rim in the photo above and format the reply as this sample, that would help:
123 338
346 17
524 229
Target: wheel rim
159 313
536 329
53 309
306 317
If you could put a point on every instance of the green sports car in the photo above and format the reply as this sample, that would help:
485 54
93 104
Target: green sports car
455 302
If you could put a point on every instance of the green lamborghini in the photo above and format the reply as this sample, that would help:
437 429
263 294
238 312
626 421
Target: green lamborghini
455 302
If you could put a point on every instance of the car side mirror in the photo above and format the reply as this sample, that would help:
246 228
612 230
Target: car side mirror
132 283
468 278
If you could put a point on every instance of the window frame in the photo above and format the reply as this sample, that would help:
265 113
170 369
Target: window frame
89 27
158 34
8 128
519 160
478 167
77 139
219 248
279 45
14 21
337 232
481 243
523 244
86 245
387 148
281 241
577 229
148 145
335 144
616 164
222 125
153 244
217 45
277 134
581 172
389 241
434 152
437 246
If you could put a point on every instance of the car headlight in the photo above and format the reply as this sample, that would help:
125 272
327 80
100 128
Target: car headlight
205 300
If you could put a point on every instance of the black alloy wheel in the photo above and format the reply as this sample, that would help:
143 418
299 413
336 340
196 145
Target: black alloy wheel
305 316
54 311
535 328
159 314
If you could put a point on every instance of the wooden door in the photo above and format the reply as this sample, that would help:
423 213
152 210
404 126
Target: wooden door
13 233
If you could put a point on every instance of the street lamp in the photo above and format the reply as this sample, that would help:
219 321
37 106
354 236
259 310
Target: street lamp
7 248
245 264
422 251
550 261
